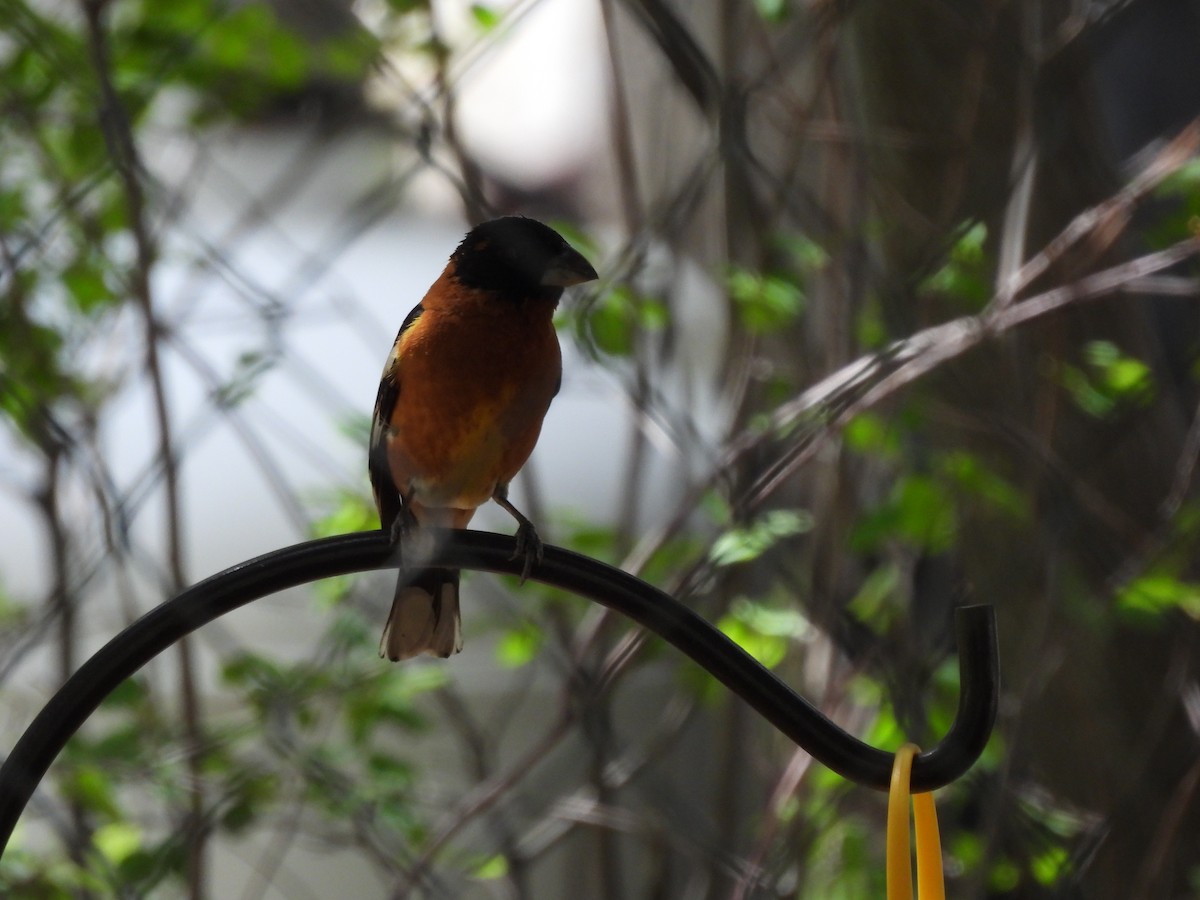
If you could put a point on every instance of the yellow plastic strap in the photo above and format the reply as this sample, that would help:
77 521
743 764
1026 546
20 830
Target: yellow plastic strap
899 863
930 881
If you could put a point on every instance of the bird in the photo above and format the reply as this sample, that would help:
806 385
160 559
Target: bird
460 406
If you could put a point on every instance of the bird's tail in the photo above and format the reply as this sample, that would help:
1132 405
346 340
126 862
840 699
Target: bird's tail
424 616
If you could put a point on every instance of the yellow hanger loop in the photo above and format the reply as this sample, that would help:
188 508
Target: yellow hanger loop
930 879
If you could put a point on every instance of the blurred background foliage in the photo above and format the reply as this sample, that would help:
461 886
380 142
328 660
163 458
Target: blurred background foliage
787 203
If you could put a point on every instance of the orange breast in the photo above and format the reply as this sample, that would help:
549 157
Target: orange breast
476 379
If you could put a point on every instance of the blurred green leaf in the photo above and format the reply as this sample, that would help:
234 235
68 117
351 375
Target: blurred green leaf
869 327
885 730
390 769
590 538
740 545
519 646
485 17
390 699
768 649
1151 596
349 512
765 303
1048 867
123 744
1122 375
349 58
249 793
247 667
776 621
808 255
1004 877
966 849
1178 208
1084 392
250 39
611 323
877 604
92 788
129 693
965 274
183 17
919 510
619 315
490 868
1110 380
774 11
145 868
764 631
117 841
414 681
869 433
13 210
969 473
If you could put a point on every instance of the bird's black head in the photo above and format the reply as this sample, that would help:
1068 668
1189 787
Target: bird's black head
521 257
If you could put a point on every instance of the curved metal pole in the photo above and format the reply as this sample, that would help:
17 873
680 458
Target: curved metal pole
158 629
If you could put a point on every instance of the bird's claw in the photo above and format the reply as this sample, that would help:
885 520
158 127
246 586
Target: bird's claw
529 545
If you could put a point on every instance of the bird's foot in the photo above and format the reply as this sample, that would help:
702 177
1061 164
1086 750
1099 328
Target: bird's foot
403 533
529 545
403 525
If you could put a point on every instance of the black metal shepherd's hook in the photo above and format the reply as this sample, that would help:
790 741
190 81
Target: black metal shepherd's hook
154 632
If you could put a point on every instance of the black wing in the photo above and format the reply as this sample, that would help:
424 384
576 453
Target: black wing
387 494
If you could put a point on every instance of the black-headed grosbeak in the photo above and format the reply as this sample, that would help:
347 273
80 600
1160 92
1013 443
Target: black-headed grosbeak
460 406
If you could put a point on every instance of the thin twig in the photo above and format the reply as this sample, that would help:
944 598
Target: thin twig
884 374
122 150
482 798
1103 222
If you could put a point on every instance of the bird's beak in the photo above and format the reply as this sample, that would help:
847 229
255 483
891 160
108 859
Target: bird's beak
568 268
